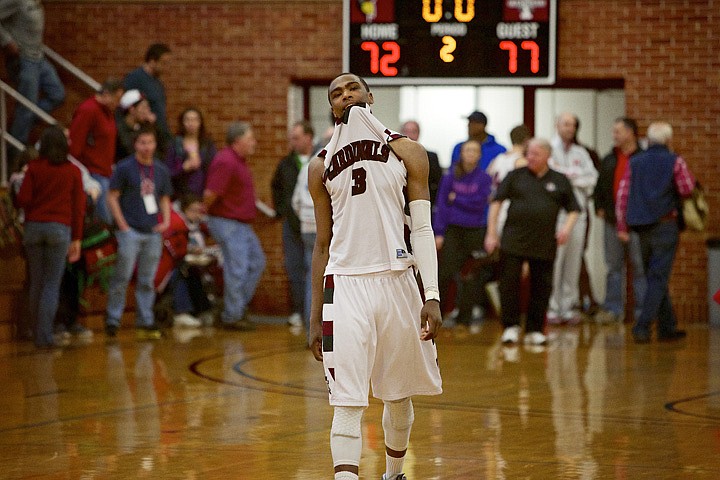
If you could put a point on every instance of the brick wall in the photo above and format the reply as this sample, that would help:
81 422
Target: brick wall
236 60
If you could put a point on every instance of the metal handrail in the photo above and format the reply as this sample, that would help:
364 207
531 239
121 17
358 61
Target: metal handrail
5 137
57 58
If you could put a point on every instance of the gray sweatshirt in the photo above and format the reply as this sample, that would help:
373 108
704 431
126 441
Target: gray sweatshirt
23 22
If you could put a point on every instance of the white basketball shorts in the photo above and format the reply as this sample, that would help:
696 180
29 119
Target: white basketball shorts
371 335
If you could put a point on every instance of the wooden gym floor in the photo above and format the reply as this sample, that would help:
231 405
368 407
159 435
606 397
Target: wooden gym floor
210 404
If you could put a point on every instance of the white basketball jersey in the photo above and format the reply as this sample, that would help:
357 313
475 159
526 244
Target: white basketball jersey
365 181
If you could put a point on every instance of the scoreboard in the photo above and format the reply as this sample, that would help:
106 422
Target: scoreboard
453 42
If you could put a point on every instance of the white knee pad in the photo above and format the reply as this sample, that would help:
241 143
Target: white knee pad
397 421
345 436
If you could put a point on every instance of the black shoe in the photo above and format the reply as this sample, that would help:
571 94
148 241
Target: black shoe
672 336
242 325
111 331
399 477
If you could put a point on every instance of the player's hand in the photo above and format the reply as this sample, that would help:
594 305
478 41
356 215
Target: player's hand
315 340
623 237
430 320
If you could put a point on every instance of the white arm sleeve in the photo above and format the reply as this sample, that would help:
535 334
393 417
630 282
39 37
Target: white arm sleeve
423 245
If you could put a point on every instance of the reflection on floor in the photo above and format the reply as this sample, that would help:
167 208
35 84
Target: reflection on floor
208 404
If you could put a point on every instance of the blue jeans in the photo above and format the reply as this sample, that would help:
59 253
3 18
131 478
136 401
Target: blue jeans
243 264
143 250
35 77
615 262
658 244
101 206
47 246
294 266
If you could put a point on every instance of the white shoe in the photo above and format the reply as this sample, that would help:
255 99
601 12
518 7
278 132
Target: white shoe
535 338
511 334
186 320
295 320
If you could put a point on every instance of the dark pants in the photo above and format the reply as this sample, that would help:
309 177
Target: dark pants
541 283
658 244
294 252
458 246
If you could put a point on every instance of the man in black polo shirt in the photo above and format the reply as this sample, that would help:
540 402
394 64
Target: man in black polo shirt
536 195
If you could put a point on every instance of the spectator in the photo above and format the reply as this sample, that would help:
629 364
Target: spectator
190 154
612 170
230 201
477 121
283 186
76 274
180 276
54 203
647 202
139 199
411 129
93 134
536 194
304 208
460 224
369 323
574 161
146 78
22 24
507 162
133 112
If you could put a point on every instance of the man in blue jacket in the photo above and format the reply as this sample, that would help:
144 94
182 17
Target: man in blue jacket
477 121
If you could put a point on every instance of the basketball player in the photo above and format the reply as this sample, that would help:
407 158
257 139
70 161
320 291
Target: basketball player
369 324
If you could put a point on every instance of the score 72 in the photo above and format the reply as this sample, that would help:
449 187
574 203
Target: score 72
512 50
383 63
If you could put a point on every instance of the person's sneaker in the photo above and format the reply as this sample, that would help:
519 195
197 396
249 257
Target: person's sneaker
81 331
186 320
672 336
511 334
553 318
572 318
475 327
606 316
400 476
111 331
242 325
295 320
151 332
535 338
207 318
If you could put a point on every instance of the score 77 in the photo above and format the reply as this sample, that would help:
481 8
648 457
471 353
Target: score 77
513 53
383 63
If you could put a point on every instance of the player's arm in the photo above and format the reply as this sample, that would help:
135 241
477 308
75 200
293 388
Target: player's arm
421 233
321 251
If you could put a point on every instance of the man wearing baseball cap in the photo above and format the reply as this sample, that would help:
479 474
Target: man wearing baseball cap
477 121
133 112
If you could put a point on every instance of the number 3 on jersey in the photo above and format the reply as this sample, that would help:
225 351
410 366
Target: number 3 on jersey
359 176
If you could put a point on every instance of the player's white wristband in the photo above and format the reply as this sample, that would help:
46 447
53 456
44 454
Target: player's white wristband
423 245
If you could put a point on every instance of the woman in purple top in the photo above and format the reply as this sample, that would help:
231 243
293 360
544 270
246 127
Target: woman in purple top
190 154
459 223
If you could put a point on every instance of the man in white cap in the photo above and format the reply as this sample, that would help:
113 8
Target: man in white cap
133 112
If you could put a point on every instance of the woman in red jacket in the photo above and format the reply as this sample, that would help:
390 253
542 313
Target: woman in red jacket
54 202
